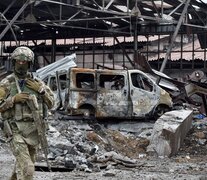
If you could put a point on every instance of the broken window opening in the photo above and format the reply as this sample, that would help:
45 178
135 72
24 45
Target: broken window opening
85 81
142 82
111 82
53 84
63 81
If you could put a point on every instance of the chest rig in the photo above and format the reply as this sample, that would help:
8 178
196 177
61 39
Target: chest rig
21 111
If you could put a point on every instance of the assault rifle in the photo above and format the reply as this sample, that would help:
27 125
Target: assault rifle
40 124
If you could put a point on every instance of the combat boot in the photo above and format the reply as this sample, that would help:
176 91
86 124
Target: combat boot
14 176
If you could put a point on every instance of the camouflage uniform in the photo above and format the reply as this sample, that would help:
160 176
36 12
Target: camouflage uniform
23 137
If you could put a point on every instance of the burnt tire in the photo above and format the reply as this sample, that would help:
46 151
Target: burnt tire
160 110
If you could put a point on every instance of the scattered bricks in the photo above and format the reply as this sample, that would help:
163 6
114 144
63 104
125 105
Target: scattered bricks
169 132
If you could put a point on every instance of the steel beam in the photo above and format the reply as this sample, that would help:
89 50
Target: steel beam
14 35
127 6
155 7
9 6
109 4
174 36
103 4
15 18
85 19
84 8
176 8
61 8
131 62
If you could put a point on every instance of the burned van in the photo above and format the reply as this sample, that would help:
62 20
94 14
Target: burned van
114 93
55 76
58 84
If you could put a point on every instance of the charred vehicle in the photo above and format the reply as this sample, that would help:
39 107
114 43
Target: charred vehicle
54 75
104 93
114 93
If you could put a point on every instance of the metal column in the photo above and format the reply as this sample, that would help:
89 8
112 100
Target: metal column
174 35
53 54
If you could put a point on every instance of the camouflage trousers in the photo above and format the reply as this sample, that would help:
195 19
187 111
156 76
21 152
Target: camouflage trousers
25 158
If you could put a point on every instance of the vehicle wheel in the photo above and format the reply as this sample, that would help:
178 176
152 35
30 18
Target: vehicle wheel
86 113
160 110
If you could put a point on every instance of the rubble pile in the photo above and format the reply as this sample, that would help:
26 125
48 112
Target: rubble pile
195 142
90 147
116 149
76 145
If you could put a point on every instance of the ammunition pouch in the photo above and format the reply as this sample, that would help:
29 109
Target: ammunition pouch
18 112
29 130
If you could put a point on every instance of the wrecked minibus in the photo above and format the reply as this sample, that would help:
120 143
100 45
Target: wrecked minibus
104 93
114 93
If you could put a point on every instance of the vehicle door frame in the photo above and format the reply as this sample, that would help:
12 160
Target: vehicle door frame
112 102
80 99
143 101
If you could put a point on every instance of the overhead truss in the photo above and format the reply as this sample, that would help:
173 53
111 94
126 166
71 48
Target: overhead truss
46 19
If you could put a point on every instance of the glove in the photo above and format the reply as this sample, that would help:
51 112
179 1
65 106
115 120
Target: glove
2 94
34 85
20 98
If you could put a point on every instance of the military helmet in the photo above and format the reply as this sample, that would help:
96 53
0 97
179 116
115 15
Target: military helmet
23 53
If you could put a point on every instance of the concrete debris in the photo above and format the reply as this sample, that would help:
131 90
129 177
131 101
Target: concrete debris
169 132
196 141
109 173
87 149
77 146
118 150
113 156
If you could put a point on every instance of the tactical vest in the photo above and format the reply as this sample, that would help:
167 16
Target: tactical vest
21 111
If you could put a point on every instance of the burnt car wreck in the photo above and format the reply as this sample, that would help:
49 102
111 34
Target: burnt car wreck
114 93
120 93
105 93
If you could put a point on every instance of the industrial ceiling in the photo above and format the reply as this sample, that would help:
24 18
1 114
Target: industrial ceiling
51 19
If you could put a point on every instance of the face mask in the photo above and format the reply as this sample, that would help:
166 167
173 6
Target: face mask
21 69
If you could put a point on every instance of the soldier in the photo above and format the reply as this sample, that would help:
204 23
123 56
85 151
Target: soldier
18 122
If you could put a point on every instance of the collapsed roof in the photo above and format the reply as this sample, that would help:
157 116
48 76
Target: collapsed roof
54 19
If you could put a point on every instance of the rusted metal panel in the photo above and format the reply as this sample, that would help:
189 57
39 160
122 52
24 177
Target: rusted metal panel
81 99
82 92
164 98
112 94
